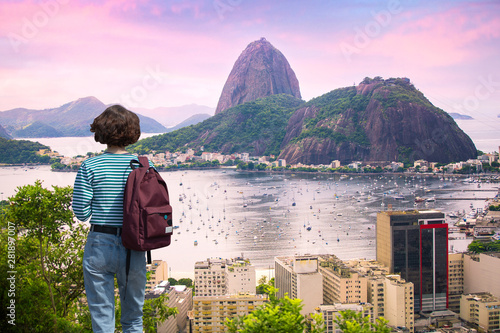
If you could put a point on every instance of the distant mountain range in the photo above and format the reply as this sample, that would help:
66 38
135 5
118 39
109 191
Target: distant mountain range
193 120
4 134
174 115
74 119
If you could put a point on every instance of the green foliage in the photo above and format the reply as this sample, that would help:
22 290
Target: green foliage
252 166
183 281
238 129
21 151
155 311
345 102
493 167
277 315
351 321
479 247
58 166
264 286
45 250
48 259
397 92
494 208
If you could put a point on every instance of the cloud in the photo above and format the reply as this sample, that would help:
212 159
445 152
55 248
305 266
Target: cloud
102 48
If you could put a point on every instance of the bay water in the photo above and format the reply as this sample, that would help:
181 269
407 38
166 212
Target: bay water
224 213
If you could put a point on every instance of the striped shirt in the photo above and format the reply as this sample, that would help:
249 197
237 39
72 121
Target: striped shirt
99 188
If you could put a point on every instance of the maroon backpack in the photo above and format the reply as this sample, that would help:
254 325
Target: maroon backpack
147 214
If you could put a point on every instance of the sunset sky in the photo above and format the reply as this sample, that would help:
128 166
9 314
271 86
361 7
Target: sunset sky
171 53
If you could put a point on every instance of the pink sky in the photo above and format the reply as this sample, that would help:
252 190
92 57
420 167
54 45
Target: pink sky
171 53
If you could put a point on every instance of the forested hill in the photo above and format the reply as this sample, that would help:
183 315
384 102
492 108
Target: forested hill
21 151
256 127
378 120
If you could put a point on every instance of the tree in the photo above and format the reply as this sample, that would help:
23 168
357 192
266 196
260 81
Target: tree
48 249
479 247
351 321
186 282
494 208
155 312
45 249
264 285
277 315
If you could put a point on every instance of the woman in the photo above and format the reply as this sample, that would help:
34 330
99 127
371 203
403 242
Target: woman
98 195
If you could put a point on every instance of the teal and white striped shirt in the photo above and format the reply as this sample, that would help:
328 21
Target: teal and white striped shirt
99 187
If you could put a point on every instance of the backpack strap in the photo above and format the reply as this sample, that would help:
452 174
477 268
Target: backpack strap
143 161
127 270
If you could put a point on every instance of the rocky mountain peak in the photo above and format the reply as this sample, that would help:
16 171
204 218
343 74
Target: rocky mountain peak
261 70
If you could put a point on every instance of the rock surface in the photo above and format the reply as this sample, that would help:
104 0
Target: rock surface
261 70
378 122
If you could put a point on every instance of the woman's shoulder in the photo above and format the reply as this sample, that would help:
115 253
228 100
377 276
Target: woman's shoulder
109 158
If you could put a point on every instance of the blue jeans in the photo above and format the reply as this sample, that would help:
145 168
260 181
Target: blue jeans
105 257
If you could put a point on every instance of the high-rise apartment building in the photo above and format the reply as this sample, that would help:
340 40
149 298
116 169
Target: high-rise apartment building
415 245
455 280
179 297
399 302
158 273
210 277
210 312
390 296
298 276
482 273
341 283
482 310
215 277
240 276
330 313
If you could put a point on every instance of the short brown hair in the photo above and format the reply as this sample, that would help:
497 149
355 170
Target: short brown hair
116 126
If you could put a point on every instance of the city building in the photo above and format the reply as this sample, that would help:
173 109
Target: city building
298 277
421 163
179 297
158 273
398 302
482 273
414 244
341 283
335 164
390 296
210 312
482 310
330 312
455 280
217 276
184 298
240 276
210 277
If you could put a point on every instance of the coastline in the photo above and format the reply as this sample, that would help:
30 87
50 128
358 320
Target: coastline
495 177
